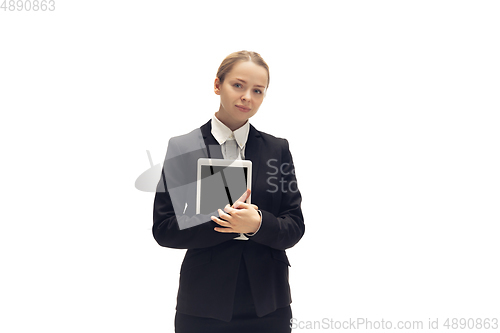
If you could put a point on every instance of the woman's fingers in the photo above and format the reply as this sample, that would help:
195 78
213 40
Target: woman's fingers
243 198
226 230
231 211
223 223
243 205
220 222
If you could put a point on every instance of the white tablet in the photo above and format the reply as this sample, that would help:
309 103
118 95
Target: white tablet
220 182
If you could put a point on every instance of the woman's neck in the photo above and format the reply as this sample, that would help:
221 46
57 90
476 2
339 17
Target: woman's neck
231 124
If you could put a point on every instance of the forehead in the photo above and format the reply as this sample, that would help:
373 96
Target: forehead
249 72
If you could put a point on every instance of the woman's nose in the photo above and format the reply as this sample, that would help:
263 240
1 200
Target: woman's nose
246 96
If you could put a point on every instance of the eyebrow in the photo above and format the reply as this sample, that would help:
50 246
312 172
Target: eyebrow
257 85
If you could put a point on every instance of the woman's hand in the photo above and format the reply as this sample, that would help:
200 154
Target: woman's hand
244 198
240 218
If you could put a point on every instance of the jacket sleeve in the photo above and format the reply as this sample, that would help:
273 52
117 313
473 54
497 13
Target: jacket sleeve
169 204
287 228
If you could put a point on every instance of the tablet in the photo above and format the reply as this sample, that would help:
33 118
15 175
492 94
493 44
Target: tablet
220 182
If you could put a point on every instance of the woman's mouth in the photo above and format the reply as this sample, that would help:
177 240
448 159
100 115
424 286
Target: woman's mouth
243 108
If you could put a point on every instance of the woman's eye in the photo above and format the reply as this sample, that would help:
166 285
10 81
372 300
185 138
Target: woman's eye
258 91
237 85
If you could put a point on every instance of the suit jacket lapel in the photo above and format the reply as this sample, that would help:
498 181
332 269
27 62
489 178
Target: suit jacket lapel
253 152
209 142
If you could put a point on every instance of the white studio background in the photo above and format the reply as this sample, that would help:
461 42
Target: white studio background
391 109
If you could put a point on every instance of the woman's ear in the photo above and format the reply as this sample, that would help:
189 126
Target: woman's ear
217 86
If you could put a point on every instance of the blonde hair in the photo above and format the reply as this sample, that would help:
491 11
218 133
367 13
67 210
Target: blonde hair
229 62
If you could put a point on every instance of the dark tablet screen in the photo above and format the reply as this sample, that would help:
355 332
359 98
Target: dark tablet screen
221 185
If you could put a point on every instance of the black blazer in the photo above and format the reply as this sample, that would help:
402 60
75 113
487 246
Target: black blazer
209 271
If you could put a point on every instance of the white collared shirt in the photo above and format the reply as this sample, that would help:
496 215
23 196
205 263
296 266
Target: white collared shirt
222 133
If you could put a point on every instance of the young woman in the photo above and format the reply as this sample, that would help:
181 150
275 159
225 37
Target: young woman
230 282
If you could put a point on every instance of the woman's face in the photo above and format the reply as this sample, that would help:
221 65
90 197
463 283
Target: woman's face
241 93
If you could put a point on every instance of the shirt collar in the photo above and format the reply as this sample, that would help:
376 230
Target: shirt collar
221 132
